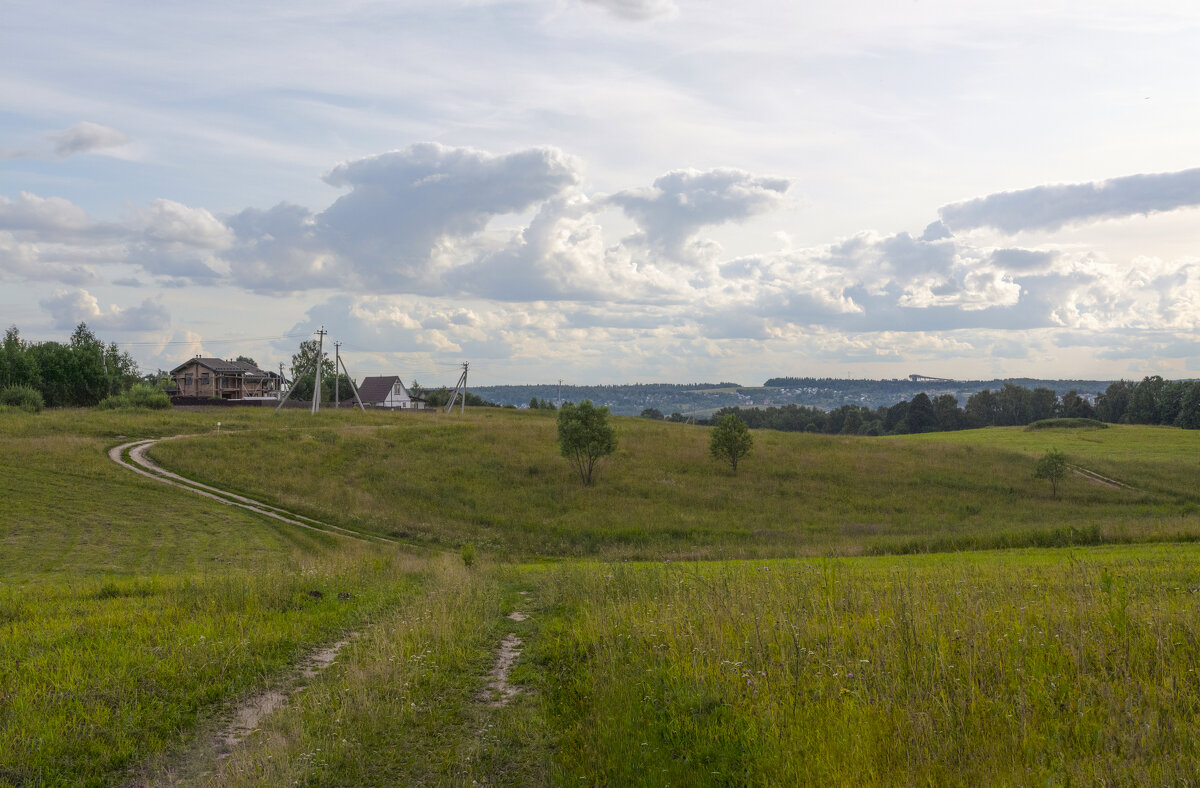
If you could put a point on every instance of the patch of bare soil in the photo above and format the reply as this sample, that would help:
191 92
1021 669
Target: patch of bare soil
194 764
498 691
1096 478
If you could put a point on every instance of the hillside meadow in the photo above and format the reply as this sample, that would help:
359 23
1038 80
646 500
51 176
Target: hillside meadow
134 616
495 478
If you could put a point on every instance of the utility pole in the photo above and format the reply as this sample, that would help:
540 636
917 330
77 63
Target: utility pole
337 360
316 403
461 385
560 393
279 392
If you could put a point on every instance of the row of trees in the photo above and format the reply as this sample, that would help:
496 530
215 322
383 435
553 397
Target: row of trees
1152 401
78 373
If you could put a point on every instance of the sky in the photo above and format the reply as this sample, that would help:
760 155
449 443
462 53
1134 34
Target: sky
610 191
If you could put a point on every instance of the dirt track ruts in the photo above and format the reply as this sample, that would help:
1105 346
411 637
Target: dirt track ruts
147 467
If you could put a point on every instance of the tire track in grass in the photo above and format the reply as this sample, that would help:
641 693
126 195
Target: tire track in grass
138 462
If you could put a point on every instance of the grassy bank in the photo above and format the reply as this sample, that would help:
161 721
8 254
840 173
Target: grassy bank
495 478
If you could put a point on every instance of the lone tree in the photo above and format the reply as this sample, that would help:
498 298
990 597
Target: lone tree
1052 466
584 436
731 440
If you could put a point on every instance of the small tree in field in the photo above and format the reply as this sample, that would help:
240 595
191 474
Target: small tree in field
731 440
1052 466
584 436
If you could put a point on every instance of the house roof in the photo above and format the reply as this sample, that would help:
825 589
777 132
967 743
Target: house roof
224 367
376 389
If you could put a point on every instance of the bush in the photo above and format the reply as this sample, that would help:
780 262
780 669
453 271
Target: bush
1072 424
25 398
142 395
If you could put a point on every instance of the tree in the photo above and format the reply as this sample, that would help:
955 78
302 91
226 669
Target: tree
653 413
921 415
1053 467
304 361
247 360
585 436
731 440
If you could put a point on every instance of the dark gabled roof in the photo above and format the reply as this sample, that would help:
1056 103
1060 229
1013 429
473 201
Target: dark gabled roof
377 389
224 367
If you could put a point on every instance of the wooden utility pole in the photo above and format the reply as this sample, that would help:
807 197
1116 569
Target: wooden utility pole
353 385
337 360
461 385
316 403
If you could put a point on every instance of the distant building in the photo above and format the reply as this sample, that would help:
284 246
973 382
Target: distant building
221 379
388 391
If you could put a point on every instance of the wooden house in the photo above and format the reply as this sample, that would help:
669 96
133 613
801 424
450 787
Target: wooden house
221 379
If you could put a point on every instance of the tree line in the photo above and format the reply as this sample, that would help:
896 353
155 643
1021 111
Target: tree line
80 372
1151 401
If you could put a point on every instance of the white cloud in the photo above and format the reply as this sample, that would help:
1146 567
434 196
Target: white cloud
86 137
1053 207
672 211
68 308
637 10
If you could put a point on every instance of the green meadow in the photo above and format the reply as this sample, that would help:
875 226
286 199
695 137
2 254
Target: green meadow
842 610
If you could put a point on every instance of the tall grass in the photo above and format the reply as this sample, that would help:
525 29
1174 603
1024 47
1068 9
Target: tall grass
1018 668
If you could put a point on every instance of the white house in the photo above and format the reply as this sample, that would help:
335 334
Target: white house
388 392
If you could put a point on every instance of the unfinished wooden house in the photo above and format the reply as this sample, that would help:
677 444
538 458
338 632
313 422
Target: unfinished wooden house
221 379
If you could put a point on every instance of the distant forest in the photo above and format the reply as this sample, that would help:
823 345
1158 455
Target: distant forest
1152 401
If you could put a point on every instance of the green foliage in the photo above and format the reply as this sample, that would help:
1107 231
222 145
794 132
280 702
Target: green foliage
653 413
141 395
1067 424
731 441
467 552
1053 467
25 398
585 436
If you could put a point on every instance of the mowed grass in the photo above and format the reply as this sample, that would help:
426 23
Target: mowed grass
495 478
131 613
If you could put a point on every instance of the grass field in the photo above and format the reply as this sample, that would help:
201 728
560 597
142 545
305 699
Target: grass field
495 478
133 615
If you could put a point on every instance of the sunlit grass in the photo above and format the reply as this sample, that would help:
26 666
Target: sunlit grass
494 478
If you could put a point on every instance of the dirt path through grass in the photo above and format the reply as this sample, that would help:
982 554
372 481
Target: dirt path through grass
139 463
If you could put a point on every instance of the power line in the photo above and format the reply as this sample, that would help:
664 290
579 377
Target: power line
209 341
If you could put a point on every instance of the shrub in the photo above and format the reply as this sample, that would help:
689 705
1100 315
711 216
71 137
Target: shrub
1071 423
142 395
24 397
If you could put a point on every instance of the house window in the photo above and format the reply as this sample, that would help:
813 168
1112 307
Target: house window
204 378
187 379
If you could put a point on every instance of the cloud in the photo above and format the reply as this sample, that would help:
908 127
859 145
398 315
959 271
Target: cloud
637 10
51 218
69 308
1053 207
406 204
671 212
86 137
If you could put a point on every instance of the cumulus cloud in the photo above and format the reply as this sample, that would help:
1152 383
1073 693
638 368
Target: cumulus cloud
402 205
86 137
1053 207
672 211
637 10
51 218
68 308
